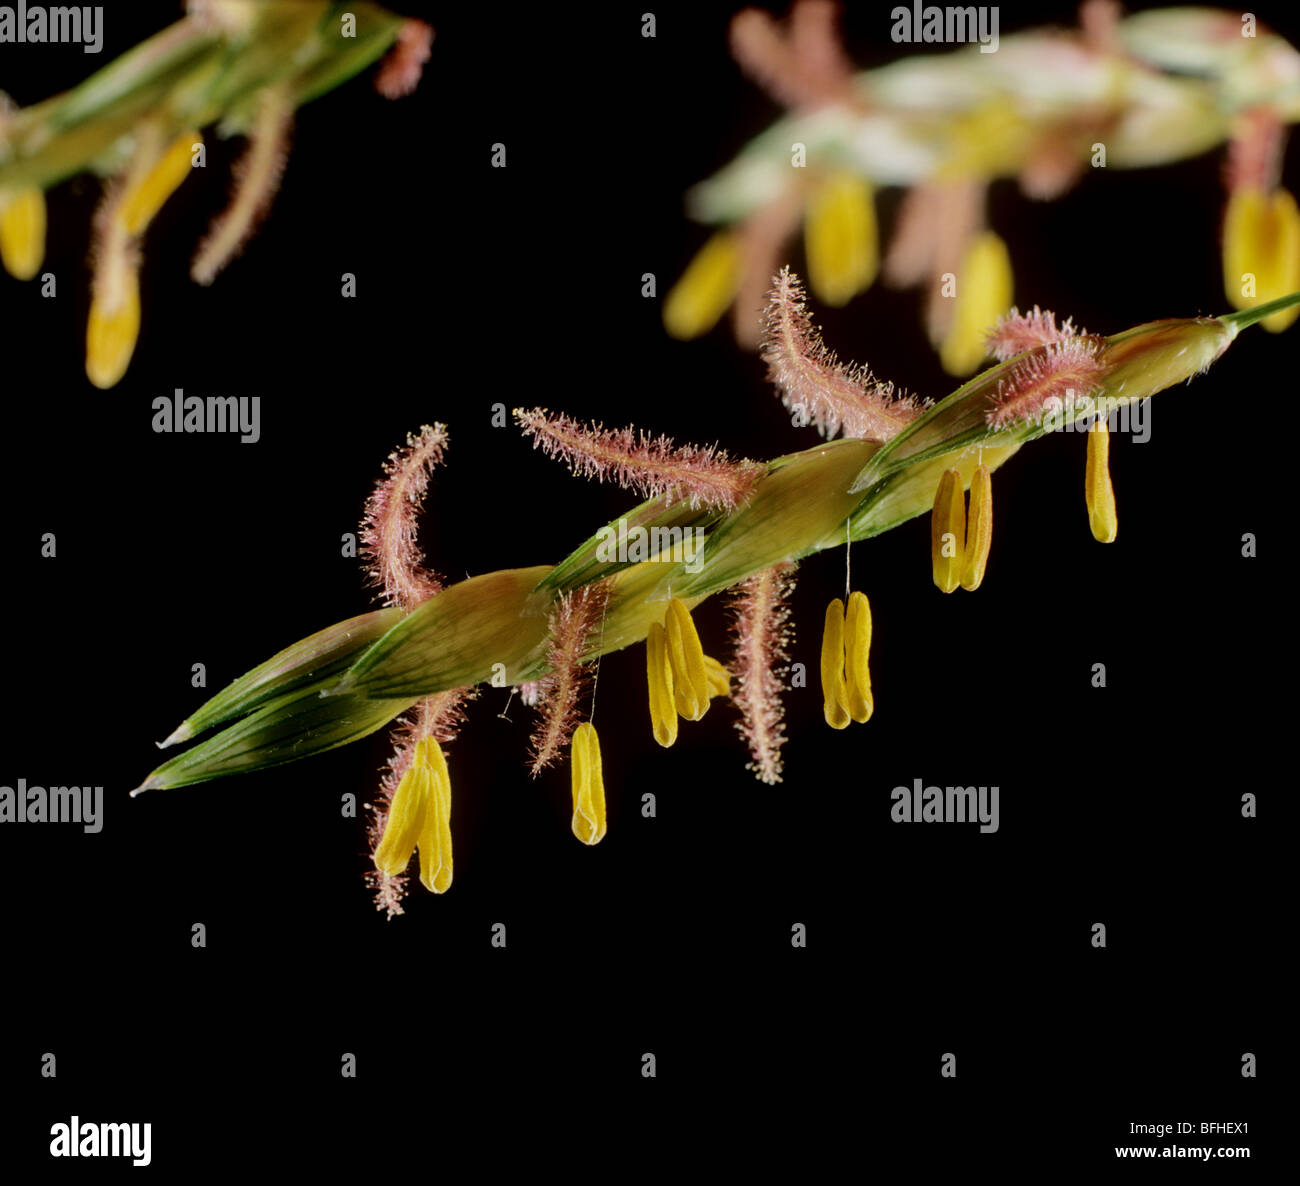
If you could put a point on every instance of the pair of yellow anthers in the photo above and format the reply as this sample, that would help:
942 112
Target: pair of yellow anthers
959 552
419 817
114 323
959 544
840 245
846 646
681 677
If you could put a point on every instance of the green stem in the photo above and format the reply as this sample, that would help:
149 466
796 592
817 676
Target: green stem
1246 317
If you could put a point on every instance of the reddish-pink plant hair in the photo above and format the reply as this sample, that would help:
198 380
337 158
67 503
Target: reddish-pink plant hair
704 475
832 395
1048 378
805 67
257 180
1017 332
399 73
574 626
761 632
1099 22
390 527
1255 151
763 237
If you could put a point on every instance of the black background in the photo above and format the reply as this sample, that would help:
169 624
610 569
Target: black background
478 285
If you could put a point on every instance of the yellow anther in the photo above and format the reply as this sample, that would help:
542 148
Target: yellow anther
1261 251
659 674
112 330
435 836
145 198
719 677
840 239
1097 488
22 232
588 785
707 287
835 693
948 531
690 680
406 814
419 816
857 649
983 295
989 140
979 529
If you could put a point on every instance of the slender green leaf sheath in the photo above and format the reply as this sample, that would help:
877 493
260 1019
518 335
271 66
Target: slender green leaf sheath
584 564
283 730
329 652
456 637
804 503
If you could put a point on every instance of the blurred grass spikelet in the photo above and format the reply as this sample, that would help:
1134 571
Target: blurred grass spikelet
240 67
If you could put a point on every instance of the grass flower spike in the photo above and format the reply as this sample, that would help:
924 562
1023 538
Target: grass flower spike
1151 88
421 659
241 66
